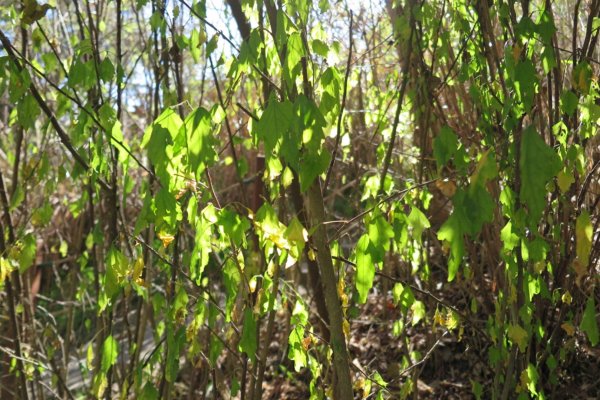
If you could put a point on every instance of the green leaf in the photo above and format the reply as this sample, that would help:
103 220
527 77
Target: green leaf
589 323
486 169
211 45
178 310
28 111
548 59
525 83
529 378
160 135
582 77
116 270
509 239
380 233
445 146
403 296
81 73
106 70
568 102
110 351
309 122
231 281
200 140
331 84
320 48
166 208
418 311
149 392
28 247
477 206
175 343
545 26
107 116
275 120
311 166
295 52
538 163
248 340
296 351
365 268
418 221
297 236
451 232
234 226
17 198
270 229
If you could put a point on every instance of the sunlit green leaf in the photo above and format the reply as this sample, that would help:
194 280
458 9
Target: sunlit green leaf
418 221
110 351
365 268
200 140
296 350
275 120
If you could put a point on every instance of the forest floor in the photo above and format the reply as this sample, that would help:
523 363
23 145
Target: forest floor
451 361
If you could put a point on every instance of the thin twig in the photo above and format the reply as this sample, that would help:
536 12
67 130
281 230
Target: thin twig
388 154
342 106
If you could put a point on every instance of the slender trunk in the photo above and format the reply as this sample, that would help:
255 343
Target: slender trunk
341 365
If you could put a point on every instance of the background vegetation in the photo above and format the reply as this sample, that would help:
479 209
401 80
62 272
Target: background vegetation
287 199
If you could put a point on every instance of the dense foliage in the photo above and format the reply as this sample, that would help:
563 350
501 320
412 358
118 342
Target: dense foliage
221 200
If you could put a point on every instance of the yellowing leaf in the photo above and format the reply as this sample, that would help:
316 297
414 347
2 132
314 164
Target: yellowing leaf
565 179
138 267
583 235
90 357
296 232
580 270
438 318
486 169
452 320
5 269
346 326
568 328
252 285
518 336
166 238
278 240
524 379
99 385
32 11
306 343
566 297
446 186
516 51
